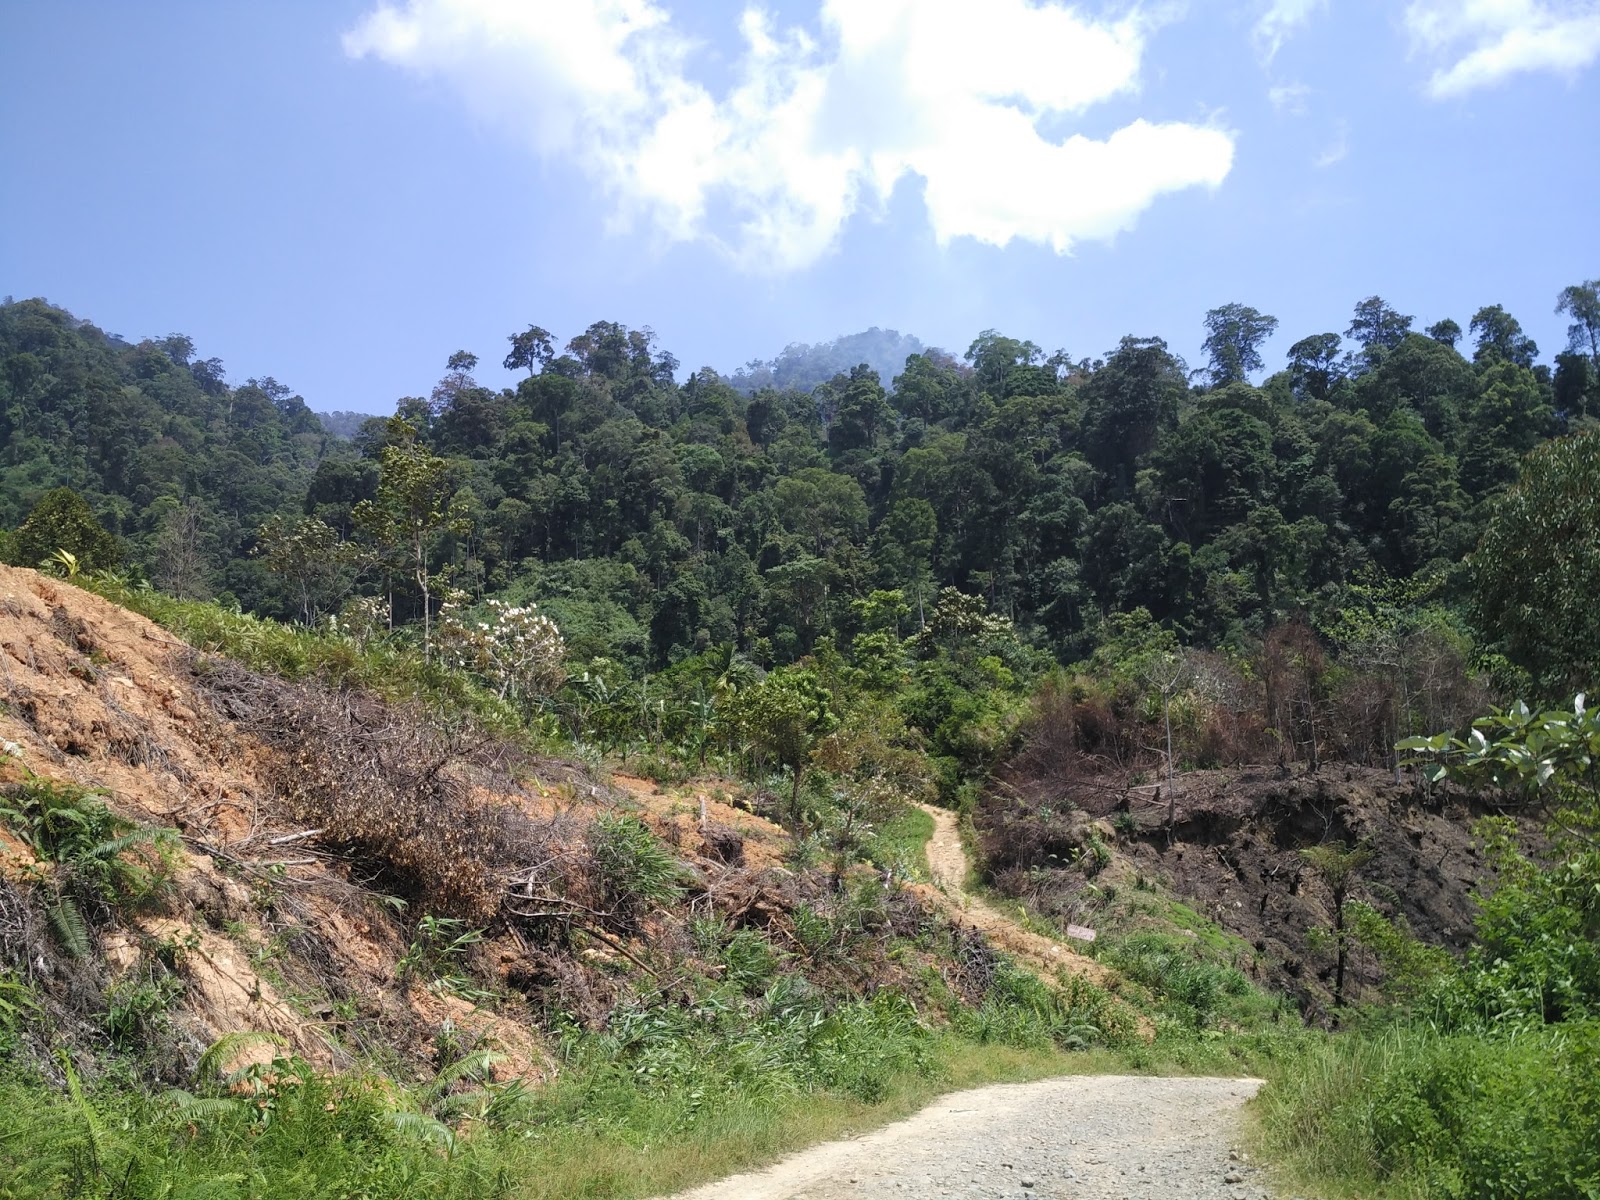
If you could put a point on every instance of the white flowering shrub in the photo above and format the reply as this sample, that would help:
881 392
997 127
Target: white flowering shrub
515 649
361 619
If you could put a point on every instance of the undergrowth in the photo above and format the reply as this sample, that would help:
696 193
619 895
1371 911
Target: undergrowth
388 667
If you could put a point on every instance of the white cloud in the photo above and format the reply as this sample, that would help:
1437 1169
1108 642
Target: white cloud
1280 20
1338 150
1289 97
809 134
1490 40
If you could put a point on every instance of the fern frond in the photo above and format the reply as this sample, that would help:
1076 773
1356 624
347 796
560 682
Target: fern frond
475 1067
424 1128
228 1047
112 847
188 1107
71 930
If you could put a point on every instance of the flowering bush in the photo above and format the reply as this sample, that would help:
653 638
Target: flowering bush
362 619
515 649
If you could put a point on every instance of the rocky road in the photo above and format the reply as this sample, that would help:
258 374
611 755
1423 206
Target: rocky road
1105 1137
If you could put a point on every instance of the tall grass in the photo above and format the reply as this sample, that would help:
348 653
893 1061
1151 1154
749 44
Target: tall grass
1404 1111
615 1125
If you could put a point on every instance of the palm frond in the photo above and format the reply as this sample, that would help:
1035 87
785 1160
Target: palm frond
424 1128
475 1067
112 847
188 1107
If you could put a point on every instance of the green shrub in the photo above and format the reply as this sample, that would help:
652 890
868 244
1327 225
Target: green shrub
634 869
1191 987
1463 1117
102 862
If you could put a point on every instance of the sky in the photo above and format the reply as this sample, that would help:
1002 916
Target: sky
341 193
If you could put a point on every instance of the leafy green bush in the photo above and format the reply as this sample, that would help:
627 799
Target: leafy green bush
634 869
1192 987
1018 1009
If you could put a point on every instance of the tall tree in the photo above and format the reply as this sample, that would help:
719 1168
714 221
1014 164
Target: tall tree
1500 338
993 355
1234 334
1128 403
1446 331
1377 327
1314 365
307 554
532 350
1536 572
63 521
1581 302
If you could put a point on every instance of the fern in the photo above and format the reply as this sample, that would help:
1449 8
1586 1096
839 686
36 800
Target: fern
188 1107
475 1067
71 930
228 1047
112 847
91 1119
424 1128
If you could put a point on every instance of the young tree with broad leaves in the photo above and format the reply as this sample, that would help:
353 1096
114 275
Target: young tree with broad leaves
412 506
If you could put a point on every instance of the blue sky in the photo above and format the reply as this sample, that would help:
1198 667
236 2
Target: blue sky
340 194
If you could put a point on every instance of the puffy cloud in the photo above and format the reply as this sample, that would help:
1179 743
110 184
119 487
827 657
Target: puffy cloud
1492 39
1279 21
809 132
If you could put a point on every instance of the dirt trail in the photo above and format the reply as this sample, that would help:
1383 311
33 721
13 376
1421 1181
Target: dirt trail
1103 1137
947 860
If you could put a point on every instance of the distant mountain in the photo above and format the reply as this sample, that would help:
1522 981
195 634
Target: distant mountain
803 366
343 424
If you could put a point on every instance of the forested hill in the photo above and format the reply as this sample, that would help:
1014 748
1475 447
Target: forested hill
653 518
183 467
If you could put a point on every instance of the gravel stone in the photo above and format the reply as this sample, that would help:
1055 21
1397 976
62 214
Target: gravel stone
1081 1138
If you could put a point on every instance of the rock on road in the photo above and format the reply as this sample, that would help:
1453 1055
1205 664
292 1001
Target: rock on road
1090 1137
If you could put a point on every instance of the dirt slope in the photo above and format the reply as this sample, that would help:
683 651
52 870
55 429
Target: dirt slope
1089 1138
265 934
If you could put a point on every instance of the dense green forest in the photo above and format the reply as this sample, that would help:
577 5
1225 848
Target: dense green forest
656 519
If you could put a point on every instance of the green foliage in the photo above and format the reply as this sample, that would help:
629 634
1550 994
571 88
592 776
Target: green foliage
101 861
1405 1112
784 716
1537 569
387 667
635 870
1484 1083
61 529
1019 1009
437 956
1186 983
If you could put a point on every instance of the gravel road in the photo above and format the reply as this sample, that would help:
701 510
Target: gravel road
1092 1137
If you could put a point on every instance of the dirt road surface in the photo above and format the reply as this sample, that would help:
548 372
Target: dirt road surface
1105 1137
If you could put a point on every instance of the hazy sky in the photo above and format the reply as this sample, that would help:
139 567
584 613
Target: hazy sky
341 193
